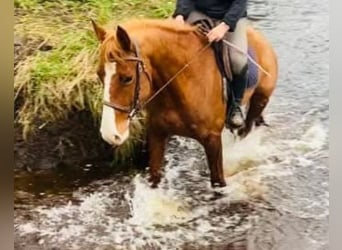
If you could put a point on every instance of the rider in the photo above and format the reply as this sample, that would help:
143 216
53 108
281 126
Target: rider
232 27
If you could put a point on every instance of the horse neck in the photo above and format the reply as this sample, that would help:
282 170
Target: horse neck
168 53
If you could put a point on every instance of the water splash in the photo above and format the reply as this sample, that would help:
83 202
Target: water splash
312 140
154 206
255 149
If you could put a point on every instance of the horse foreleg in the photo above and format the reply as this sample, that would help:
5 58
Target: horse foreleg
213 148
156 147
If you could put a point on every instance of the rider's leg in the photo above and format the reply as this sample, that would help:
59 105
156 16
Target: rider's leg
239 70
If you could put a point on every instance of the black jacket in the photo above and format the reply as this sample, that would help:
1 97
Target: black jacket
229 11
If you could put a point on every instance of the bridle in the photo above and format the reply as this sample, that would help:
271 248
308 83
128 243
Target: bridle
136 105
133 109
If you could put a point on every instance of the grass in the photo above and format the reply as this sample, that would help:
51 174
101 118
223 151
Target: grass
48 84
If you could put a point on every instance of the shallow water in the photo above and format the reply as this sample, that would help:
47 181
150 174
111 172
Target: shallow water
277 195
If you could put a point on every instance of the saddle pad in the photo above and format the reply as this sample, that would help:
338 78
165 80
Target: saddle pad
252 70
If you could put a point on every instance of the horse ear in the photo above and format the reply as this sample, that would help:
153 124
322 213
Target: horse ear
99 31
123 38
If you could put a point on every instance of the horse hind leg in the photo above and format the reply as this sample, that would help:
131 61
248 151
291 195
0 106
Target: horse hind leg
257 105
259 100
259 121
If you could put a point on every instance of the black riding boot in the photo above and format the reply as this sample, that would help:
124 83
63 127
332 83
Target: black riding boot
235 118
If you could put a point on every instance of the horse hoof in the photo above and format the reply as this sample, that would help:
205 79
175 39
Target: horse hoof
216 196
243 132
261 122
154 185
218 184
154 180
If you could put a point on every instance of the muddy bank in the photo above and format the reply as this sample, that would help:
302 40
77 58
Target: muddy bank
73 141
67 154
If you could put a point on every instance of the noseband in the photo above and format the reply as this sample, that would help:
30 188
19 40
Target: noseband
135 107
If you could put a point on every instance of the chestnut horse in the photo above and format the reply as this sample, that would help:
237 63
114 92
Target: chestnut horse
170 70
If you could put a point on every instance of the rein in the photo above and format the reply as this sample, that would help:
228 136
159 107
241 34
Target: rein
140 68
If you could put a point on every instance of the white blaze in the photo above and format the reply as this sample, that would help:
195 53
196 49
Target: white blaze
108 128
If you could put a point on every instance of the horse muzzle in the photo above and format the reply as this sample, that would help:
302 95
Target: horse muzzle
114 139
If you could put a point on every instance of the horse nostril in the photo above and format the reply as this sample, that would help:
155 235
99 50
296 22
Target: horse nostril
117 138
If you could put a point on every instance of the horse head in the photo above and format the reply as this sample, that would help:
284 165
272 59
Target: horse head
126 76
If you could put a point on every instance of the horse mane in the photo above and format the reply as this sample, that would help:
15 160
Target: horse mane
163 24
143 26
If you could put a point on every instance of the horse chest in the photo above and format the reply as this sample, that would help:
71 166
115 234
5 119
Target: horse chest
175 123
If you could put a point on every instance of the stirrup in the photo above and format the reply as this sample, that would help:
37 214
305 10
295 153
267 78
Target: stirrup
236 112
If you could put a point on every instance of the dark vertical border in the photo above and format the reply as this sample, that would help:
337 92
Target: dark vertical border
6 119
335 125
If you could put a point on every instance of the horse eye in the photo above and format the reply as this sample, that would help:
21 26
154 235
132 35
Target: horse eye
125 79
111 57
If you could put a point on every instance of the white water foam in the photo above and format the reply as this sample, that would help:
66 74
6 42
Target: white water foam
249 152
155 206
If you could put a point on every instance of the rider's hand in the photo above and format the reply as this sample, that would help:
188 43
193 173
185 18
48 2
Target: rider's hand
180 19
217 33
